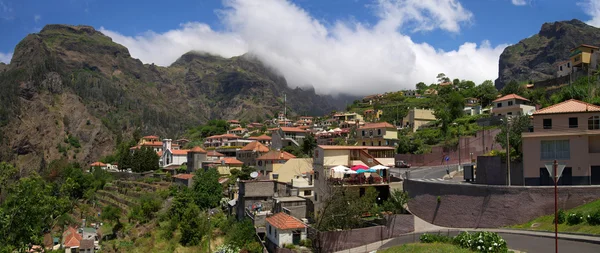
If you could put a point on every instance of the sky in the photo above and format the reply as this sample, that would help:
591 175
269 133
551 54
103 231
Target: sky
355 47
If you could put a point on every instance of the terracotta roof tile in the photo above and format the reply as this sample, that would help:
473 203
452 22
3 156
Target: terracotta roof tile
198 149
292 129
261 138
510 96
150 137
276 155
232 161
184 176
256 146
569 106
97 164
153 144
180 152
233 121
284 221
334 147
214 154
377 125
71 238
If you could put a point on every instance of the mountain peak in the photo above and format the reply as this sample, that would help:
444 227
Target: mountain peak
80 29
535 58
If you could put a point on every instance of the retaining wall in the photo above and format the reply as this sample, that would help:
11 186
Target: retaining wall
490 206
332 241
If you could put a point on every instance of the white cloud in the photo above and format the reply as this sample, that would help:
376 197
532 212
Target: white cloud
37 18
423 15
343 58
519 2
591 8
5 57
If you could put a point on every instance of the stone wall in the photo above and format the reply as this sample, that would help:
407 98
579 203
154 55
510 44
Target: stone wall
490 206
480 144
491 170
332 241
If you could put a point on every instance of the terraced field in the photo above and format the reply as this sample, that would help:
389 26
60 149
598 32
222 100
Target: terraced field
125 194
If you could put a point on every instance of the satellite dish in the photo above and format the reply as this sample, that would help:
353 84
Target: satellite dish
254 174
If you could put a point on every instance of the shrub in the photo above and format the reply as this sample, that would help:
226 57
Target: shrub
431 238
481 242
289 246
439 199
574 218
594 218
306 243
561 217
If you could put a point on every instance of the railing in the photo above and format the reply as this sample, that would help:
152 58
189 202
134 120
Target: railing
368 159
358 181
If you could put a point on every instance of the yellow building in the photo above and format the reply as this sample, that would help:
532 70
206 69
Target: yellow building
417 118
225 165
377 134
372 115
290 169
584 55
271 161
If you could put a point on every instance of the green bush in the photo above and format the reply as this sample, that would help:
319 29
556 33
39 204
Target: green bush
481 242
594 218
289 246
561 217
306 243
574 218
431 238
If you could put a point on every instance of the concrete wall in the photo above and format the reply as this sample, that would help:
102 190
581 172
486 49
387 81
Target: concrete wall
491 170
490 206
332 241
291 168
334 157
480 144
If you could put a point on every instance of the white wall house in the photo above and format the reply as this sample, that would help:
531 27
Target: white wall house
170 156
512 105
285 229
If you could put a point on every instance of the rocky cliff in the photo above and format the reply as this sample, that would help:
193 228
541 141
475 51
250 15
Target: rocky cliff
71 92
535 58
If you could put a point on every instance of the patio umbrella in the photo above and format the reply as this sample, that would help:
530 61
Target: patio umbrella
357 167
340 168
365 170
349 171
379 167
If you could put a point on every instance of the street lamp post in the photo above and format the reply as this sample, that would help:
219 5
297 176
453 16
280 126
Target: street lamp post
555 179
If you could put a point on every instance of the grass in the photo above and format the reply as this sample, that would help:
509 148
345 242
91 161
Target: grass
546 222
426 248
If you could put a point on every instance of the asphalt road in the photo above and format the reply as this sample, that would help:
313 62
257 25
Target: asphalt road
424 172
526 243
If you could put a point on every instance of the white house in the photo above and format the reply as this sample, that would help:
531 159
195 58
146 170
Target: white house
170 156
512 105
285 229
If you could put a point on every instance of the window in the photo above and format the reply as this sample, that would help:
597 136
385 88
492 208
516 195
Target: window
371 133
509 113
568 64
379 143
363 133
594 123
547 123
560 68
307 192
510 103
378 131
498 105
573 122
364 143
270 232
559 149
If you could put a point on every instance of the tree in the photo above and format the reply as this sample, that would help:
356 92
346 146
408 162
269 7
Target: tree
112 214
207 190
421 87
396 202
344 208
7 174
449 109
243 174
309 144
194 227
486 93
241 234
518 125
513 88
294 150
442 78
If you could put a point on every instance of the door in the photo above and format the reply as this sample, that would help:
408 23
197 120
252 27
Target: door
566 178
545 178
296 237
595 175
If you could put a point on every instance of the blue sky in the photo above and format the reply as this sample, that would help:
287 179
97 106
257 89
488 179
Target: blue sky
490 24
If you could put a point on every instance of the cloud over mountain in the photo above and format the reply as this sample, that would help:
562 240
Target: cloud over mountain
344 57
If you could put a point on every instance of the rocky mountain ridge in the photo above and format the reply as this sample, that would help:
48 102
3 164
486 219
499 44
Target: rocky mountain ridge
71 92
535 58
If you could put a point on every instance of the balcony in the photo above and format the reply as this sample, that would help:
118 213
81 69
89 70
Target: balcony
358 181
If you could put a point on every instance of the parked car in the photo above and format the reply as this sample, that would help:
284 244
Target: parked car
402 164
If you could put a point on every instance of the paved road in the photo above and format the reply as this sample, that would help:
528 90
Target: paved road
436 172
526 243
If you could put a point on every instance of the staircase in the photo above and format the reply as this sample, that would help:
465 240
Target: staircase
368 159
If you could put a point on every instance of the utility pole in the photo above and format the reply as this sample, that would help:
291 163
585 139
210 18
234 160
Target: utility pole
555 179
508 149
459 147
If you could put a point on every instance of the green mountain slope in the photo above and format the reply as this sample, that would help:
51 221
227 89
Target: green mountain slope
71 92
535 58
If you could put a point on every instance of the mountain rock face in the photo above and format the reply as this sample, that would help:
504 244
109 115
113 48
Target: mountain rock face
71 92
535 58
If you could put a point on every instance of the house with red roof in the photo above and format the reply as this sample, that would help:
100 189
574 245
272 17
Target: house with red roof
263 139
512 105
568 132
170 157
150 141
234 123
238 131
225 140
271 161
184 179
226 164
250 152
284 229
377 134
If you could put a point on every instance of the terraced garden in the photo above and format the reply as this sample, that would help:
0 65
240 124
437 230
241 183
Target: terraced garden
125 194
